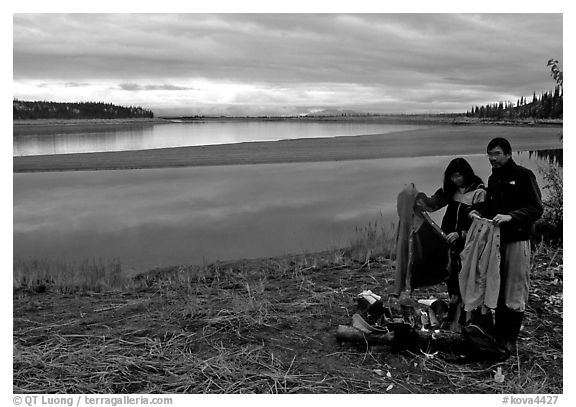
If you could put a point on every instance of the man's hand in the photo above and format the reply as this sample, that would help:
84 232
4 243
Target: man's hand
452 237
474 215
499 219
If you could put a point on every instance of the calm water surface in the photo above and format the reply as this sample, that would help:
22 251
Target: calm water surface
149 218
64 139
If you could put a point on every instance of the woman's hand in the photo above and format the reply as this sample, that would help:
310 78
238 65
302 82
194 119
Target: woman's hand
452 237
419 205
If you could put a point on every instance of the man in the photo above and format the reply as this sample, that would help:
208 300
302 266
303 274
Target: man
514 203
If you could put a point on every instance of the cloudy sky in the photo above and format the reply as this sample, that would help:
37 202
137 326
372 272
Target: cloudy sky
284 63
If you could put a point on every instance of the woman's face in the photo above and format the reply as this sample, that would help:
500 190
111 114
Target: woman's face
457 179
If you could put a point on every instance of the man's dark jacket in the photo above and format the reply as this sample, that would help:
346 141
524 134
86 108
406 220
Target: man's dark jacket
513 190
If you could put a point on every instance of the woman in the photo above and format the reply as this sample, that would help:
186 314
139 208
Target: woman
460 192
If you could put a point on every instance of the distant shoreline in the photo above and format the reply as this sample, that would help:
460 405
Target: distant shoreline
446 119
431 141
36 126
432 119
44 122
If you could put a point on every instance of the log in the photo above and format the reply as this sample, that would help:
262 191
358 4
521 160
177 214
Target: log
346 333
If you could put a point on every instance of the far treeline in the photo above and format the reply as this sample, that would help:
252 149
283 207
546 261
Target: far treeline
23 110
548 106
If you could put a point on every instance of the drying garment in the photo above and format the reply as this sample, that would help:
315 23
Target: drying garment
480 274
428 264
421 247
405 208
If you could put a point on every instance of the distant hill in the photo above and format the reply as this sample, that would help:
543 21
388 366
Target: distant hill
334 112
23 110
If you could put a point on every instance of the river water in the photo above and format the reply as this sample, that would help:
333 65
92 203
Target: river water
80 139
161 217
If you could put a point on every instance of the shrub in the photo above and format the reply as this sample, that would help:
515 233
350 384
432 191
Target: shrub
550 226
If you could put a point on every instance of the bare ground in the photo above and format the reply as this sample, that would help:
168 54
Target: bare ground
260 326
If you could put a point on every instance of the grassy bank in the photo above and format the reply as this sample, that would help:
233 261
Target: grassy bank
263 326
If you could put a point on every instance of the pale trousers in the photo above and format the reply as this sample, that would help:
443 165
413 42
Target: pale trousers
515 275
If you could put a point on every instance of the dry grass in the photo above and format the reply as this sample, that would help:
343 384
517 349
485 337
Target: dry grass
81 363
260 326
374 240
93 274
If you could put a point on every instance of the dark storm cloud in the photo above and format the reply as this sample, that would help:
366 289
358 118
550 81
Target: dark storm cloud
438 55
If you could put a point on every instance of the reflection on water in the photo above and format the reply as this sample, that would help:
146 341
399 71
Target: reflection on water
89 140
82 139
150 218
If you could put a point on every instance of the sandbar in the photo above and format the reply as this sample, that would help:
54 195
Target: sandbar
430 141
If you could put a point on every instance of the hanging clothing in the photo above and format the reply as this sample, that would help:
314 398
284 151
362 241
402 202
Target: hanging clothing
480 275
421 246
405 209
428 264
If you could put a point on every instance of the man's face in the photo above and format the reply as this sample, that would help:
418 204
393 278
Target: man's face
497 157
